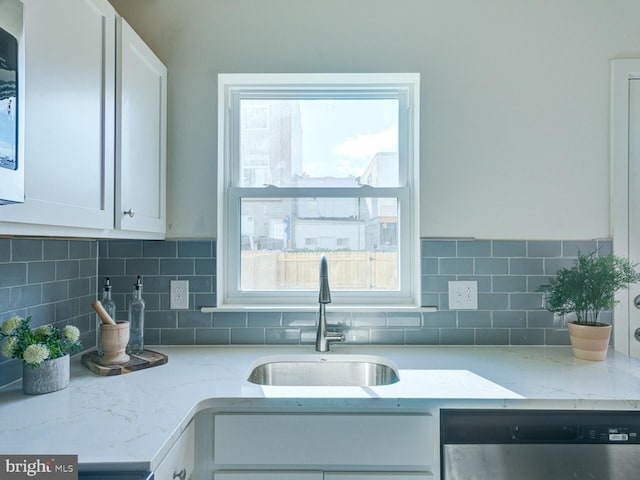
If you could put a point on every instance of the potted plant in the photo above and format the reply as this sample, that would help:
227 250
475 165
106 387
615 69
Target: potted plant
585 290
44 353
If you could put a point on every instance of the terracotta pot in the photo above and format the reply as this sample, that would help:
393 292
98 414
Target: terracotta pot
49 376
590 342
114 341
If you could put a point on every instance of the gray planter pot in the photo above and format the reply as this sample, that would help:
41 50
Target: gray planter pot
50 376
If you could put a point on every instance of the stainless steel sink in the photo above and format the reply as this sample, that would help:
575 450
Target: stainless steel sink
324 370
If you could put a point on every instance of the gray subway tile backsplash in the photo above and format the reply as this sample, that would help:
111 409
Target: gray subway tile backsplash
509 248
492 336
542 248
474 248
526 301
248 336
509 283
177 266
527 336
422 336
493 301
474 319
194 319
195 249
178 336
5 250
56 281
266 319
53 281
13 274
509 319
457 336
388 336
213 336
282 336
52 250
491 266
526 266
439 248
27 250
572 247
456 266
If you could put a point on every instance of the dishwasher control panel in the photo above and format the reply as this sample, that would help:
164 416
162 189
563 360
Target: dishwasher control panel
540 427
604 434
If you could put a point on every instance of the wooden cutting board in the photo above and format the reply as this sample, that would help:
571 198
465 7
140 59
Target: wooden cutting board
140 361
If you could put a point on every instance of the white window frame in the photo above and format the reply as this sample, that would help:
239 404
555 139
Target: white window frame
405 87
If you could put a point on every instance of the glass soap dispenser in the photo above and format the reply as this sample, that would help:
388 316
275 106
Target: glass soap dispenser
136 320
110 306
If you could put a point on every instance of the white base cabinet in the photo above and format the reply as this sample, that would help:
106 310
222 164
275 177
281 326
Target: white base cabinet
180 461
320 446
282 475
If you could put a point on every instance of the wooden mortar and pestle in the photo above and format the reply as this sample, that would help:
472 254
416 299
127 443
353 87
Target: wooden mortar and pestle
114 335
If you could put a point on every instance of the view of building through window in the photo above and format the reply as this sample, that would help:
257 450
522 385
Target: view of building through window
307 147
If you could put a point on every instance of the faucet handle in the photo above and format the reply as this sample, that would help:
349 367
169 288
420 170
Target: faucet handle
335 337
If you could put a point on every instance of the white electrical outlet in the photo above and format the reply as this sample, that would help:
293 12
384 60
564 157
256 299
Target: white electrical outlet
463 295
179 292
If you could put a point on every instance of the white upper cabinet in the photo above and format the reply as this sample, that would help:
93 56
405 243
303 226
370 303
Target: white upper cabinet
69 88
94 126
141 113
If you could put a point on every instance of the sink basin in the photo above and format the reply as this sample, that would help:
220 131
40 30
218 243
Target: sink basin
324 370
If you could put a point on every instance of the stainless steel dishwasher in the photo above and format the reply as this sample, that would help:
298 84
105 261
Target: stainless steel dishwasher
540 445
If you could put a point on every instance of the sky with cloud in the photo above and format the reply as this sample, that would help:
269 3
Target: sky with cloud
340 137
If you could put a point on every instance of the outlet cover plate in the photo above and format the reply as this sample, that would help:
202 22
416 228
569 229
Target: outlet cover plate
463 295
179 293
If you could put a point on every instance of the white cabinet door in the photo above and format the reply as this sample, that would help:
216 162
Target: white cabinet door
376 441
268 476
141 94
69 76
180 461
634 209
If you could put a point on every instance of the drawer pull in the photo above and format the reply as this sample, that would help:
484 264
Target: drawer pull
129 212
181 475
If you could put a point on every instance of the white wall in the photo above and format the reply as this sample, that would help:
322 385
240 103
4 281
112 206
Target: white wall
11 17
515 97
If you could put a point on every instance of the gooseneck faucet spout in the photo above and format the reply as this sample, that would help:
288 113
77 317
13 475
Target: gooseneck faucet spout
324 338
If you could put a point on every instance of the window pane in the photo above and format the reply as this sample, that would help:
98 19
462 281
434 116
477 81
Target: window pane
332 143
282 240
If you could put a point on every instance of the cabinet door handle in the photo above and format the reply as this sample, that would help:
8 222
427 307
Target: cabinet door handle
129 212
181 475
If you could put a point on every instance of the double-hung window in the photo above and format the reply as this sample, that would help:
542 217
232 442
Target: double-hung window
311 165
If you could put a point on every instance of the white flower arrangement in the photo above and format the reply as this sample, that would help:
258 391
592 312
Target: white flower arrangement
35 354
34 347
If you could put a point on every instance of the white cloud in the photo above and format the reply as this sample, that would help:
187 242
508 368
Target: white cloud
367 145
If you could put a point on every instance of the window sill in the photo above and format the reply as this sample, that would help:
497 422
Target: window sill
313 308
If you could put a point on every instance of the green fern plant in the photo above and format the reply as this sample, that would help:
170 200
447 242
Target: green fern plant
588 287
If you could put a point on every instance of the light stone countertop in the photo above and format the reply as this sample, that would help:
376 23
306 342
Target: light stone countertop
132 420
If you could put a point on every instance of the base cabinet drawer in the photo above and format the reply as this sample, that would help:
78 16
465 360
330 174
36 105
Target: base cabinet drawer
180 461
375 440
268 476
289 475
